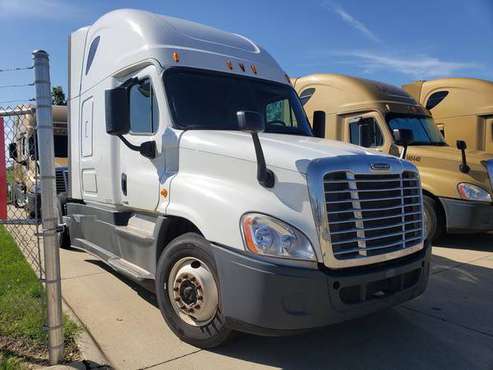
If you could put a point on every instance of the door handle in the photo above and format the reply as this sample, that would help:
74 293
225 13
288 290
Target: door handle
124 183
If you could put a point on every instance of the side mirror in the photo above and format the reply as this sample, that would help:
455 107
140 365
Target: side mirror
250 121
117 111
318 124
13 151
364 134
404 137
461 145
32 149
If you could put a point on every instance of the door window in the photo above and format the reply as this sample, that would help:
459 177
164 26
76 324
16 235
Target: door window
144 115
375 135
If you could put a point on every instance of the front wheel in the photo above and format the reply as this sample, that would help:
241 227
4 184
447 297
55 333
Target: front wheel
188 293
433 223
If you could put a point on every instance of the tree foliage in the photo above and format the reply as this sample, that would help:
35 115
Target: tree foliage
58 96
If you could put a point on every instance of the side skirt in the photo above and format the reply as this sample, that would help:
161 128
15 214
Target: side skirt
124 240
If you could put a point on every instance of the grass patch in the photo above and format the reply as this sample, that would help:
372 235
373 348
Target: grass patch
11 363
23 311
10 180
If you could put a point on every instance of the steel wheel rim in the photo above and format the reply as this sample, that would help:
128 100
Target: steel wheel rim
192 291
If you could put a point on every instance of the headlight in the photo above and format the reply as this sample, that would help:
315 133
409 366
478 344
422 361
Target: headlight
473 192
267 236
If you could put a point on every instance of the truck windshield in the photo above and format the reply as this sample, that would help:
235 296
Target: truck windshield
424 129
205 100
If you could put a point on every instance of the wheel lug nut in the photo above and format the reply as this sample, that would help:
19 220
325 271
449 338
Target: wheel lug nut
175 289
177 299
197 307
190 310
200 298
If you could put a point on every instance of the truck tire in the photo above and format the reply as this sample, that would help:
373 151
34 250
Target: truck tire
187 290
63 238
433 222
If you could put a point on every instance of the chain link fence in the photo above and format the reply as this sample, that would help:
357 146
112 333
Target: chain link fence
22 175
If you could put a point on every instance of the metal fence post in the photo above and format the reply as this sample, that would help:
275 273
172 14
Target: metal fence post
44 127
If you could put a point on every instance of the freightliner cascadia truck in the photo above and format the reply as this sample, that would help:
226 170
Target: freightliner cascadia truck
193 165
457 185
461 107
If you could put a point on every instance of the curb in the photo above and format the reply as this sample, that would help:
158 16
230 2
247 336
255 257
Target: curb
93 356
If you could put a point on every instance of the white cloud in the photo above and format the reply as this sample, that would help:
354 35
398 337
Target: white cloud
418 66
43 9
352 21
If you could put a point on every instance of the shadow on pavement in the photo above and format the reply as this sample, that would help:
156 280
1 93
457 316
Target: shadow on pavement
449 327
144 289
475 242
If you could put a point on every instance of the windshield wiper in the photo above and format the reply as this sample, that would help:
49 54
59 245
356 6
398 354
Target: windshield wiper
431 143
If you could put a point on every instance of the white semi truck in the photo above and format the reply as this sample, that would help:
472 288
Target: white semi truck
192 164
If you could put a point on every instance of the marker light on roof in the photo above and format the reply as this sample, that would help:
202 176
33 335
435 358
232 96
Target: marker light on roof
176 56
229 64
242 67
254 68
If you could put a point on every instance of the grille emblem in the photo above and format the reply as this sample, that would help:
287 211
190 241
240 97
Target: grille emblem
380 166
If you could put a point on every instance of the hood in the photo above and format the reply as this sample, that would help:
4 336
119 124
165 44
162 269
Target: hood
288 152
430 159
447 154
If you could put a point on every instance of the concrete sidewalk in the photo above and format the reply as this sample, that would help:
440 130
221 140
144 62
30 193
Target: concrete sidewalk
449 327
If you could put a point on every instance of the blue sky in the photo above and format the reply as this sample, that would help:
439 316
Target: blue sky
394 41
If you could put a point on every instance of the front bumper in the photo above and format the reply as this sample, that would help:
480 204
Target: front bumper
268 299
465 216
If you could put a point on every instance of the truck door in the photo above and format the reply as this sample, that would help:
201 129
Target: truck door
139 176
488 135
364 130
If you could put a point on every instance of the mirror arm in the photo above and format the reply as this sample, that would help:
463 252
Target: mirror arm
129 144
265 176
464 167
147 149
404 151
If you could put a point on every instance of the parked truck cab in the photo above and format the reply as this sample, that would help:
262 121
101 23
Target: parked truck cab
457 190
26 192
461 107
193 165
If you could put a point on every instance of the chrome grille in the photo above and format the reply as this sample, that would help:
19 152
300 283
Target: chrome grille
372 214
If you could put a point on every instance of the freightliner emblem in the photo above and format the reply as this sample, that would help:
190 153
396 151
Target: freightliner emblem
380 166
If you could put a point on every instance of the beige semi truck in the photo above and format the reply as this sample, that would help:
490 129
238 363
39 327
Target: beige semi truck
461 107
457 183
25 190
